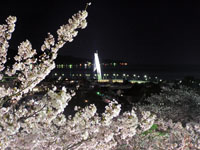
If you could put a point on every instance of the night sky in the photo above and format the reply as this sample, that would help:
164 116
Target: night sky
141 32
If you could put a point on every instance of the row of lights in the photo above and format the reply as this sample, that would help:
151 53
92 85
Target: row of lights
88 65
145 77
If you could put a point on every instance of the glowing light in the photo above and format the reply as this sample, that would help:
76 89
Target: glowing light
97 66
85 66
87 75
103 81
117 81
89 63
70 66
72 81
98 93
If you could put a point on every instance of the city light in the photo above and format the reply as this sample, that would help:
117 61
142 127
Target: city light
98 93
70 66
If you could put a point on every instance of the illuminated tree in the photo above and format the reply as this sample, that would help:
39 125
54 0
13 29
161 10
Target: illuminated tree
40 123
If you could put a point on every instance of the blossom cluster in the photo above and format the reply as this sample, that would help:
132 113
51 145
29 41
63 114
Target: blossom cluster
6 31
34 117
29 69
177 123
40 124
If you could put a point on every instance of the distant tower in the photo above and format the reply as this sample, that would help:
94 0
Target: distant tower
97 66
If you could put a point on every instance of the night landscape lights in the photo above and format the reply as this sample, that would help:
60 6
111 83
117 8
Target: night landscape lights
114 99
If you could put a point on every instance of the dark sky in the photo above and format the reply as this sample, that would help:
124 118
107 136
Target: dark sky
141 32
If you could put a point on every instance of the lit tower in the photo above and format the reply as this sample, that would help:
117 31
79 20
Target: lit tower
97 66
